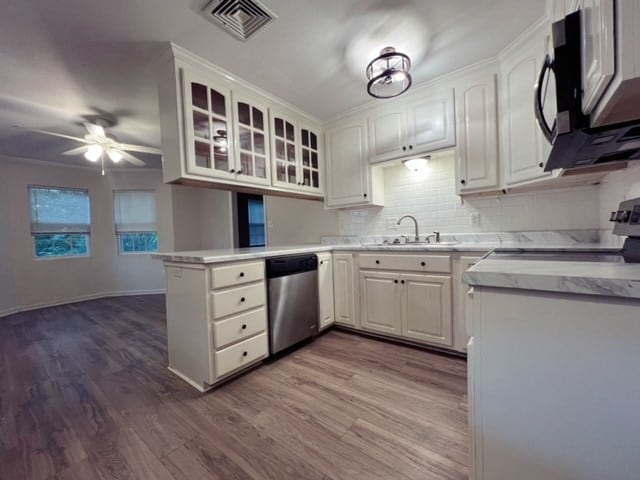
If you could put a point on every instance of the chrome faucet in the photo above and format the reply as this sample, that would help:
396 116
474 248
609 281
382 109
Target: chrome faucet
415 222
434 234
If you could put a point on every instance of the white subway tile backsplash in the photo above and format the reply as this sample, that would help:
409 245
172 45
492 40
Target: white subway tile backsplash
434 203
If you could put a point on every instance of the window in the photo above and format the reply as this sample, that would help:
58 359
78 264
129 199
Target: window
135 216
251 232
60 221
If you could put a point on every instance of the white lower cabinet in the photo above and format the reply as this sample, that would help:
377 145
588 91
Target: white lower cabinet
406 303
343 289
325 290
216 320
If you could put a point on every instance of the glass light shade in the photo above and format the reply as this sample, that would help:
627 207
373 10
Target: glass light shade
114 155
93 153
416 164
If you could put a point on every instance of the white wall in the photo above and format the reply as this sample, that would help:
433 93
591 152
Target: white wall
7 285
294 221
41 281
432 200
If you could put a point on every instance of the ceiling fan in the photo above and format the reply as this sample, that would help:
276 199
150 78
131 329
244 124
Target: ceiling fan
97 144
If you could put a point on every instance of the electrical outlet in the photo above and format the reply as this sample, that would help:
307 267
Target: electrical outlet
475 219
392 223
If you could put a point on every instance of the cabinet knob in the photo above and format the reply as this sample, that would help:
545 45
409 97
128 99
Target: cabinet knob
244 354
402 281
321 262
410 147
244 327
239 171
242 299
463 181
395 281
404 149
377 262
541 164
231 171
365 195
424 264
242 274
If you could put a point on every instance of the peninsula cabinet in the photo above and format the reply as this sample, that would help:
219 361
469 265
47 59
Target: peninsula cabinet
350 180
223 132
295 153
477 131
420 123
407 296
216 320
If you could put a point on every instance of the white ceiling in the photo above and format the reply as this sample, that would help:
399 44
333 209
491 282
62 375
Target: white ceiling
65 60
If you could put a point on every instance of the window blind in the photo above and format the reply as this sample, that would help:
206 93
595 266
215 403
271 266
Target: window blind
135 210
59 210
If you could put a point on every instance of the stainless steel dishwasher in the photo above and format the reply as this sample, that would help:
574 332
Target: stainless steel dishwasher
292 283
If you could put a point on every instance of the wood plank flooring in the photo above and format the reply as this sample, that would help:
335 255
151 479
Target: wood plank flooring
85 394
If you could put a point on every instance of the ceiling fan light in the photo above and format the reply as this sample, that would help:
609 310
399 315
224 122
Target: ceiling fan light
93 153
114 155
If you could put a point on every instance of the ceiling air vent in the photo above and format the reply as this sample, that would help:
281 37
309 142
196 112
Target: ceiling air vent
240 18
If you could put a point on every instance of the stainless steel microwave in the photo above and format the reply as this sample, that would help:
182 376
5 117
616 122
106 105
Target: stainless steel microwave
574 142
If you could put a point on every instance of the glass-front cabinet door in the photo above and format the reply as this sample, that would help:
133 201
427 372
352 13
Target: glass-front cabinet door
309 159
207 110
284 152
252 133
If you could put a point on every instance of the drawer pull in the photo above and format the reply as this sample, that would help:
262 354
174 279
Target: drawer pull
395 281
244 354
402 281
377 262
424 264
244 327
242 299
241 274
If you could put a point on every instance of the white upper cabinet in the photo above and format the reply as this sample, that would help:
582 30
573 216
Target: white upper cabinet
598 50
295 153
476 132
411 126
523 149
349 178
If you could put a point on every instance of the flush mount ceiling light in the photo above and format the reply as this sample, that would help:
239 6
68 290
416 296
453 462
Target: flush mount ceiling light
388 74
417 165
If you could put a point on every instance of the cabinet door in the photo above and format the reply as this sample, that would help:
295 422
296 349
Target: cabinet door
388 132
344 295
346 165
252 134
598 50
427 308
208 136
284 133
325 286
431 122
381 307
310 159
524 150
477 133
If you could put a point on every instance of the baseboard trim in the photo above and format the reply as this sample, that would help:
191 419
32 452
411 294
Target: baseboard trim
81 298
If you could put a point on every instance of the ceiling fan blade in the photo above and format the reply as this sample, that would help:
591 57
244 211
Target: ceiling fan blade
131 159
93 129
77 139
75 151
140 148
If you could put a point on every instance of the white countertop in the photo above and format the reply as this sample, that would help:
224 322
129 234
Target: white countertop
588 278
228 255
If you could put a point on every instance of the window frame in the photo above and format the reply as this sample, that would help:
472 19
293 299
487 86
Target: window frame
33 235
119 235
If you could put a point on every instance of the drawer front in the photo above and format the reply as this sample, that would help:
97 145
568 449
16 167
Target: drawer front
238 300
240 355
236 274
417 263
239 327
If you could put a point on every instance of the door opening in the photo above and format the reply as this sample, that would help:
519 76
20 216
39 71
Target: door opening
251 220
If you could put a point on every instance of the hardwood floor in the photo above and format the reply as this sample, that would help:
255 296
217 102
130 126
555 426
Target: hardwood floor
85 394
